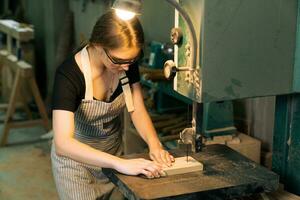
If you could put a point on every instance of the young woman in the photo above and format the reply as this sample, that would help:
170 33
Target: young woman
87 104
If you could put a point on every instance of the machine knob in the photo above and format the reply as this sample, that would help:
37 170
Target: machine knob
170 69
176 36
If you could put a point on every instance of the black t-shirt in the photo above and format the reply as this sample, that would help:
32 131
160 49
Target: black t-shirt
69 85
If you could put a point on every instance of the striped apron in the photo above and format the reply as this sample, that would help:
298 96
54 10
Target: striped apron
98 125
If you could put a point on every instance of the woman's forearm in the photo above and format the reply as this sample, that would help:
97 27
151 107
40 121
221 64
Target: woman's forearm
66 145
144 126
142 120
85 154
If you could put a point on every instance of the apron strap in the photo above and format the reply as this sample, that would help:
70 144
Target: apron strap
86 69
127 91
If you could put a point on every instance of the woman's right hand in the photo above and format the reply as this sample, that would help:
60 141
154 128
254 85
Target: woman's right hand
139 166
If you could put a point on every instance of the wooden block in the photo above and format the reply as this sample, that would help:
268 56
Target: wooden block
248 146
242 143
219 139
181 166
284 195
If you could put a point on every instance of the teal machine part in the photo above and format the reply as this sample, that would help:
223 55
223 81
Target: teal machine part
286 143
242 54
162 93
248 49
158 56
165 98
217 119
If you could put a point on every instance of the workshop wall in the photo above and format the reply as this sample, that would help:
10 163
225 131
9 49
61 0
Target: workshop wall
46 17
2 6
85 16
157 20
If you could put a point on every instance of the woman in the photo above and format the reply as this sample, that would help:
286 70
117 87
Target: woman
87 103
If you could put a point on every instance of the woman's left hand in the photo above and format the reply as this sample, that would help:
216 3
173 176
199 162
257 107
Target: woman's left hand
161 156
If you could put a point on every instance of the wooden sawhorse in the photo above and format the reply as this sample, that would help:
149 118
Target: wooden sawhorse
23 75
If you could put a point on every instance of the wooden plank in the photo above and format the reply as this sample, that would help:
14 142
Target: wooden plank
163 124
284 195
169 138
177 125
183 165
12 62
17 30
177 130
277 195
163 117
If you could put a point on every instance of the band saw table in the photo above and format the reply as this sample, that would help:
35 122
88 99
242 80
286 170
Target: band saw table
227 174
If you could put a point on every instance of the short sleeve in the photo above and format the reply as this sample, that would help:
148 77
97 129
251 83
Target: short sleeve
68 88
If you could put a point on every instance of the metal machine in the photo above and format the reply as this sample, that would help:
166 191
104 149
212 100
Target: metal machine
248 49
243 49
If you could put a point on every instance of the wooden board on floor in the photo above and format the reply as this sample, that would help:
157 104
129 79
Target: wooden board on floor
183 165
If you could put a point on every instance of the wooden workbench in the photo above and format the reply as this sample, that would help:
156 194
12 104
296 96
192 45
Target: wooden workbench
226 174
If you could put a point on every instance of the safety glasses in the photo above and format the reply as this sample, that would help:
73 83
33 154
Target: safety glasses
118 61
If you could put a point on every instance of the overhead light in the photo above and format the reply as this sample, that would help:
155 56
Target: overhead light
124 14
127 9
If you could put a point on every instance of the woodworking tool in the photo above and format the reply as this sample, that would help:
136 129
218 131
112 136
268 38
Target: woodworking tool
224 51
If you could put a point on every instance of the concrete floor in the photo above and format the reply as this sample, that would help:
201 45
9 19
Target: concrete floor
25 167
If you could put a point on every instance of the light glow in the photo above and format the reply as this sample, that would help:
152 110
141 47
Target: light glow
124 14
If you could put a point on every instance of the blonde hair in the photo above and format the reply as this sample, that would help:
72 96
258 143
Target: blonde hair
113 33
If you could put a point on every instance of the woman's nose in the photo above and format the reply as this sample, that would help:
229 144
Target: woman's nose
125 67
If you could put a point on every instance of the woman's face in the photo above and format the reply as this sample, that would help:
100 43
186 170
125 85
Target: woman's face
119 59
